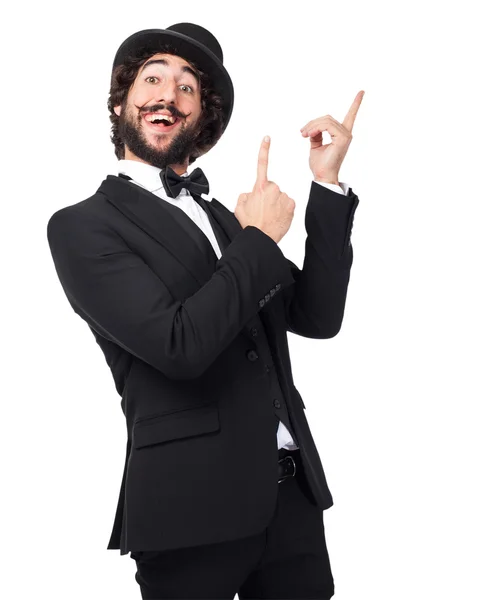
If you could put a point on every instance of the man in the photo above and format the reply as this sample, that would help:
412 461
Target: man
223 491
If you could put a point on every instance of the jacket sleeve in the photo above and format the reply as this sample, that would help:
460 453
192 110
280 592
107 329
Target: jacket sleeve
314 305
122 299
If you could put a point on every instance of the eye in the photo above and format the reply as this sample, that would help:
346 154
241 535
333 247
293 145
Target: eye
191 90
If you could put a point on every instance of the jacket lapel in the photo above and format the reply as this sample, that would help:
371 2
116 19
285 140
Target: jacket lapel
167 224
224 223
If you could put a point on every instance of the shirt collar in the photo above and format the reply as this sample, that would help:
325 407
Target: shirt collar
147 176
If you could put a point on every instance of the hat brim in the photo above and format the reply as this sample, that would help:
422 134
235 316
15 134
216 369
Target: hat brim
190 50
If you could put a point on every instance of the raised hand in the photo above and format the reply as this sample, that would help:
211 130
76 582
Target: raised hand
325 160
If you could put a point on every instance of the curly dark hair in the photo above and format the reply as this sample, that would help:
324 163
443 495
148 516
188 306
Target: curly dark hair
212 116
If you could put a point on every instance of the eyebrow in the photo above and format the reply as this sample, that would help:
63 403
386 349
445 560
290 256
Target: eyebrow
162 61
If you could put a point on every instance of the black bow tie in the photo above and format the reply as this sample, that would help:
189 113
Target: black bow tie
196 183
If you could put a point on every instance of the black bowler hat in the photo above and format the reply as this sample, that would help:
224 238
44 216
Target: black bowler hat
194 43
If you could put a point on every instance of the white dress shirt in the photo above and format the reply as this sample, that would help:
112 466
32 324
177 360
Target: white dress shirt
148 177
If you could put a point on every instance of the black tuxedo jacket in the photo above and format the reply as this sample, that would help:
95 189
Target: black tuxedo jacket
175 325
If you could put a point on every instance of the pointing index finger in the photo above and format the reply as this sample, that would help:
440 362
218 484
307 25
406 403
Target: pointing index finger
262 174
353 111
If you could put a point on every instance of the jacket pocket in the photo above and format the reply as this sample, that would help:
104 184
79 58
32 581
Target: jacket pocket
180 424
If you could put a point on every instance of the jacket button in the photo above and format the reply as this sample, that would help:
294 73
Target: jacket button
278 286
272 292
253 331
252 355
267 297
261 303
277 403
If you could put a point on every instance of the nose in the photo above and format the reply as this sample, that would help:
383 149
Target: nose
166 92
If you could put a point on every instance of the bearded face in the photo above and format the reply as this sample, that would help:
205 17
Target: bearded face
159 122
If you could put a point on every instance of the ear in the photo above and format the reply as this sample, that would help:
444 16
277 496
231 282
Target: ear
117 110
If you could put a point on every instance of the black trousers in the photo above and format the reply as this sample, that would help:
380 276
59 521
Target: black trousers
289 559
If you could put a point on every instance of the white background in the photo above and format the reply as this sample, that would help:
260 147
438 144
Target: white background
391 399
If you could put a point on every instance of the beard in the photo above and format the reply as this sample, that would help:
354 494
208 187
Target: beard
177 151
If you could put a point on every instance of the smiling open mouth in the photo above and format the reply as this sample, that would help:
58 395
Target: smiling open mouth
161 122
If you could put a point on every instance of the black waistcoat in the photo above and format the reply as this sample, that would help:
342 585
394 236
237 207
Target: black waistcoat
260 349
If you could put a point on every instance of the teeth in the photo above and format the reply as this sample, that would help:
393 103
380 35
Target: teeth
153 117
